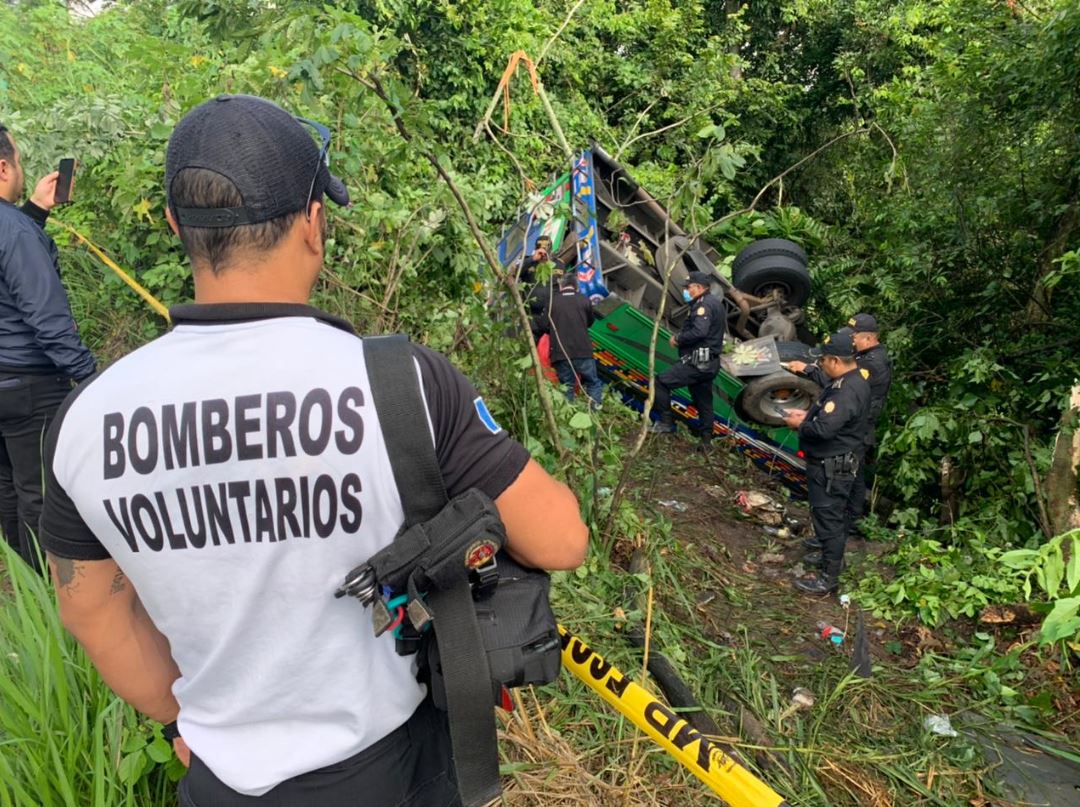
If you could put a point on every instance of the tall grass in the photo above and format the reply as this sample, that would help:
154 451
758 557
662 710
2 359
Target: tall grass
65 739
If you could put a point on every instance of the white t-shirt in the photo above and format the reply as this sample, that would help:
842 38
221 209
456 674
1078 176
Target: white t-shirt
235 471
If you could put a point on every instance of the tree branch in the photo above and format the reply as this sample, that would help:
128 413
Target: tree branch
373 83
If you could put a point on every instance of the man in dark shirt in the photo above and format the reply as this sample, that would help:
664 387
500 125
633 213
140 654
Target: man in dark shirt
566 318
699 342
541 253
40 348
831 434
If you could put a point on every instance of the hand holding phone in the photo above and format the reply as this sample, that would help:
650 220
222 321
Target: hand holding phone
65 182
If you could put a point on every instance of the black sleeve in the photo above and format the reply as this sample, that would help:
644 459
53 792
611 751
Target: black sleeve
35 288
826 425
39 215
62 530
817 375
590 314
472 449
696 332
527 275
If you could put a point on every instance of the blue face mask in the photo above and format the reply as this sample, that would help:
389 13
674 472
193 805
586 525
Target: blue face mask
686 296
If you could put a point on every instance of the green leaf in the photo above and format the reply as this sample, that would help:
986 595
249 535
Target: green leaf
581 421
1072 572
1062 623
1019 558
134 742
159 750
1055 571
975 436
132 767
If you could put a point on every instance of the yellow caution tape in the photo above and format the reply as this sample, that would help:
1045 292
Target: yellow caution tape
141 290
692 749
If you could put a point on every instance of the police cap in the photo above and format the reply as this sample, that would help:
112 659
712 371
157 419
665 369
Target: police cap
863 323
699 278
839 344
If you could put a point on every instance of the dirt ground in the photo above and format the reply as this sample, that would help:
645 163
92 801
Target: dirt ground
748 575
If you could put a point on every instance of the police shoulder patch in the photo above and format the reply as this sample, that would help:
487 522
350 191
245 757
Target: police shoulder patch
864 373
851 322
829 407
701 311
485 416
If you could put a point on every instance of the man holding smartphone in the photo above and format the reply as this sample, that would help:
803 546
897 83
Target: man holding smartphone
40 348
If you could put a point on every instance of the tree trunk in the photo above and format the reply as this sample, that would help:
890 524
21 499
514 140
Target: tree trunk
1039 309
1063 499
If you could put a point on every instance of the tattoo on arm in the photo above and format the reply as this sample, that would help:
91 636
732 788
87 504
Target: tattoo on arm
117 583
66 572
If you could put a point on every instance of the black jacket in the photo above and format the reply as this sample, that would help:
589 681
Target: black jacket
837 422
877 370
875 367
37 331
704 326
566 316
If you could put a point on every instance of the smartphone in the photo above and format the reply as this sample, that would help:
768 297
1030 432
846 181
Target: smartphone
65 183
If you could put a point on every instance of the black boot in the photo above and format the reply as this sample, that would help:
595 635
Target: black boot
813 558
704 442
812 544
824 582
665 424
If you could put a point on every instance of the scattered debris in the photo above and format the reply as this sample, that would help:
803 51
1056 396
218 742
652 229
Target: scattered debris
845 600
1009 615
772 557
672 504
704 600
603 491
760 506
830 633
749 567
939 724
798 570
777 532
802 699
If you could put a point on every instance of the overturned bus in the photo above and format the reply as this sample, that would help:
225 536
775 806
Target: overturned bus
632 260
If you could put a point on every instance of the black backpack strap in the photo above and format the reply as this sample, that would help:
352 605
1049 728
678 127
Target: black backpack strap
404 424
395 387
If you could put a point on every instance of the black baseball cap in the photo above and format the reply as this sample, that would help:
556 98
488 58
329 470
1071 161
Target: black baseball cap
863 323
839 344
266 153
700 278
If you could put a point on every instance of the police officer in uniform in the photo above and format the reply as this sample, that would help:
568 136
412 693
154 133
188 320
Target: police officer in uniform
832 434
206 493
874 364
875 367
699 342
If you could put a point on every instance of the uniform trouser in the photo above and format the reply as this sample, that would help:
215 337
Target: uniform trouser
27 405
699 382
857 506
829 501
571 370
409 767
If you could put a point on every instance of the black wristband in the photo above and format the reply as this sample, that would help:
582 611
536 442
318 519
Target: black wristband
170 731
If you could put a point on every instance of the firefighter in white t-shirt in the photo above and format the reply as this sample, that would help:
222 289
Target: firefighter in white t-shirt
207 492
